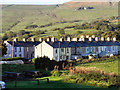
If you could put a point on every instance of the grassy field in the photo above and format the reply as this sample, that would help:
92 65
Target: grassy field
42 15
107 66
55 82
16 68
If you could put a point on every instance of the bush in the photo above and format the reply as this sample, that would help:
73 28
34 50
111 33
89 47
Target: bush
33 60
14 58
55 73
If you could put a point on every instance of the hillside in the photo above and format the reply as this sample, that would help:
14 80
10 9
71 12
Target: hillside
48 17
78 4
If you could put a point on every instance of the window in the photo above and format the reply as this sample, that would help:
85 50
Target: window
56 58
19 49
15 49
60 57
62 50
97 49
105 49
67 50
27 48
91 49
37 56
15 55
31 55
63 57
87 49
56 50
113 48
20 55
67 57
101 48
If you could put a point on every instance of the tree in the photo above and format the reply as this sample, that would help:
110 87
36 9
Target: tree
3 48
5 37
22 32
78 33
61 32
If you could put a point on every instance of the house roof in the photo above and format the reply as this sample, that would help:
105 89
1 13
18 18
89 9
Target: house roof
24 44
64 44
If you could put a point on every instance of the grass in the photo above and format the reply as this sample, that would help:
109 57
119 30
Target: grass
16 68
42 15
106 66
55 82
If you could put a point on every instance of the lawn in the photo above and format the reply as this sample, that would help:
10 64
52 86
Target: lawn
55 82
107 66
16 68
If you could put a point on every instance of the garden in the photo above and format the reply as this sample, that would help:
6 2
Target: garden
83 73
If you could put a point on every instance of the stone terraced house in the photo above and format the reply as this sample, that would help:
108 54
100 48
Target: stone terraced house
69 49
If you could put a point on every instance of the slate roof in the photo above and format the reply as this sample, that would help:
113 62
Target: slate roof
24 44
64 44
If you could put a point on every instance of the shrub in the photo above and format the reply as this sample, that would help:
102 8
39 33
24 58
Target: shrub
55 73
80 79
33 60
14 58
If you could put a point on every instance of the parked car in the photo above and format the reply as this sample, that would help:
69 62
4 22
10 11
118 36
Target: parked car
2 85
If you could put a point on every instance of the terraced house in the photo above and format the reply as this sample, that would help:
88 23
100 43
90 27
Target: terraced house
24 49
75 48
69 49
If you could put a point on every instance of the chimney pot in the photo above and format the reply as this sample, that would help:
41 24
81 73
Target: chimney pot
93 36
82 36
87 36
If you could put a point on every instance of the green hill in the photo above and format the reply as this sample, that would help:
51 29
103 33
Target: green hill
48 17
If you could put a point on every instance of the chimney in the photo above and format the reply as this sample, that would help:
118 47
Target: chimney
61 39
53 39
40 39
24 39
96 38
15 39
48 39
74 39
93 36
108 38
80 39
82 36
114 39
90 39
68 39
32 39
87 36
102 38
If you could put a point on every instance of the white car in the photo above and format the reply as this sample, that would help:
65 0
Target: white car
2 85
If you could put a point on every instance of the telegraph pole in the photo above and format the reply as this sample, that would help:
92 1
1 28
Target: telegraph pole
59 50
12 48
